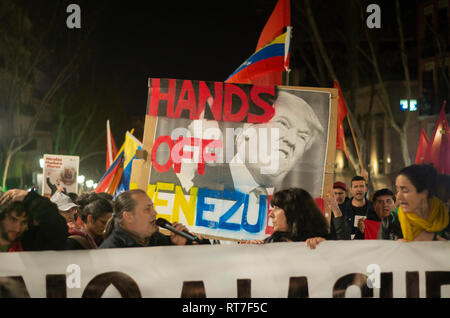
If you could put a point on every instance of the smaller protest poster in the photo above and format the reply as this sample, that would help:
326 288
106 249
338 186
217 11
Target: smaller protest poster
60 174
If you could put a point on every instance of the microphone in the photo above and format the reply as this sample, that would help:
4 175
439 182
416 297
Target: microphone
167 225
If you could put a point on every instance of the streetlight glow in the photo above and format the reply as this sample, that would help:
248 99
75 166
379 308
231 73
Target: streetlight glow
80 179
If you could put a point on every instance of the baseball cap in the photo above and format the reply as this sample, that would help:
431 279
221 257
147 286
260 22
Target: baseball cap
64 202
339 184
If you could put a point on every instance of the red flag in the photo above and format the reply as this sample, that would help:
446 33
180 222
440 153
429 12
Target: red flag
108 177
273 57
342 112
111 149
274 78
438 151
280 18
371 229
422 148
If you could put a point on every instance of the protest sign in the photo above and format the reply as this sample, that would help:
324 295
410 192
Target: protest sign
216 152
378 269
60 174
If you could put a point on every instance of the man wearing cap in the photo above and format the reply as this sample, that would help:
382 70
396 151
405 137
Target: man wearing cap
340 192
67 209
46 229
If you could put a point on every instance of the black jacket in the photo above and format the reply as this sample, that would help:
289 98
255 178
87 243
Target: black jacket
284 237
339 229
51 232
349 215
390 228
122 238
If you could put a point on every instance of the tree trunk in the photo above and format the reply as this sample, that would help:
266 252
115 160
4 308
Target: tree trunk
384 93
404 130
11 152
317 37
361 144
404 149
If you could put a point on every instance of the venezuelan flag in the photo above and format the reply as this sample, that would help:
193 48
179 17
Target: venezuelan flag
109 175
112 179
273 57
131 145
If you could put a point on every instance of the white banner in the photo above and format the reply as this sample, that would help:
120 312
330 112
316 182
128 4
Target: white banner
334 269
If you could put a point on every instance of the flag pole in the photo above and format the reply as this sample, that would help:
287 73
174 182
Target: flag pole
351 129
354 141
350 124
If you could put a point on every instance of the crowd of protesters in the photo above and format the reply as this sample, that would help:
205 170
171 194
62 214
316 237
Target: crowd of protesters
418 211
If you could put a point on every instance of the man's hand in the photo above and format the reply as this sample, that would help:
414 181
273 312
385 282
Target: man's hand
314 241
331 201
178 239
13 196
255 242
361 225
365 174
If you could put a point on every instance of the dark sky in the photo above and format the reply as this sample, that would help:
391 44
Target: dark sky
199 40
130 41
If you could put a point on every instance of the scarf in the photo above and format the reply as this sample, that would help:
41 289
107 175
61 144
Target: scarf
412 224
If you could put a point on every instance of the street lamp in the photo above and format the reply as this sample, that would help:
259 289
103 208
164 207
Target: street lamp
81 179
90 183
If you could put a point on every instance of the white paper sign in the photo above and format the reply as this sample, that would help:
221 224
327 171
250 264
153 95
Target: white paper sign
357 218
60 174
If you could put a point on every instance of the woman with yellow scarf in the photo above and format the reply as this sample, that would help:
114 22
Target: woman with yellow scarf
420 215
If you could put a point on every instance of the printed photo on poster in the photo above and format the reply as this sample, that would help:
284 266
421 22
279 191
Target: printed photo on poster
60 174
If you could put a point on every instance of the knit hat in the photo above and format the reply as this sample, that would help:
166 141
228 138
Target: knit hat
63 201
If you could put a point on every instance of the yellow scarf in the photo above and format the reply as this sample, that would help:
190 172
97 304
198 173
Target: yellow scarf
412 224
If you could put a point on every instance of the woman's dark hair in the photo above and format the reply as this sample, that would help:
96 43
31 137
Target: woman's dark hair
423 177
303 217
105 195
96 208
123 202
87 198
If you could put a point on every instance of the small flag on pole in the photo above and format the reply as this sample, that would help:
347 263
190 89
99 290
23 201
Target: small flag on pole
266 67
438 151
279 19
342 112
111 149
271 58
422 148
